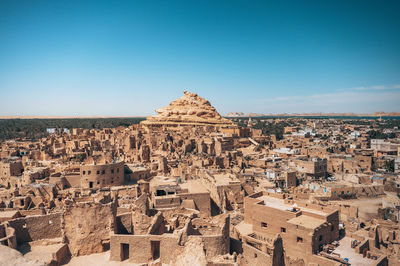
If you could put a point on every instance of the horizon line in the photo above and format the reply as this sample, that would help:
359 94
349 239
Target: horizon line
229 115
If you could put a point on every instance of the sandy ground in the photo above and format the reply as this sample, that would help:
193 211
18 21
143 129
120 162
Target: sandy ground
42 253
345 251
98 259
368 207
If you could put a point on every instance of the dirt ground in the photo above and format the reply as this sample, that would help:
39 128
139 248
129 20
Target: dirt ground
368 207
98 259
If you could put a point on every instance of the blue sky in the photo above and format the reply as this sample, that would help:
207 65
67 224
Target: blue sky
127 58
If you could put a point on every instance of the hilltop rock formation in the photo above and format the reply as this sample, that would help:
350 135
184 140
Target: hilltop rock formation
190 109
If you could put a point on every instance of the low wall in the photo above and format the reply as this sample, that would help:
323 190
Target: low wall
256 257
140 247
319 260
363 247
33 228
382 261
7 236
214 245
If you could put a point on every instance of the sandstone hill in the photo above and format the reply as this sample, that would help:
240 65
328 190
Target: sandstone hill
190 109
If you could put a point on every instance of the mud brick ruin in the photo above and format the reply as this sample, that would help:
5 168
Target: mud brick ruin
190 187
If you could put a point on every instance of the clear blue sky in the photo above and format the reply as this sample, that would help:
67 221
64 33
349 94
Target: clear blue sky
126 58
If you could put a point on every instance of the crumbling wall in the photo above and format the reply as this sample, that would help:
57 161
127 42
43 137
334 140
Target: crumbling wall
87 226
278 255
141 204
363 247
214 245
256 257
201 200
141 223
7 235
124 223
157 225
33 228
319 260
348 211
217 244
31 212
190 254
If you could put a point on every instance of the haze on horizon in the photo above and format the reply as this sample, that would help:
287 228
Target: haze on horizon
127 58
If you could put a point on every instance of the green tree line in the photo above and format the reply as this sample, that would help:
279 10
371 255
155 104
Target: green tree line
34 129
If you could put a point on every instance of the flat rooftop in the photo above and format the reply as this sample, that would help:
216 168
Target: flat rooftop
193 186
307 221
138 168
355 259
163 181
8 214
281 205
225 179
244 228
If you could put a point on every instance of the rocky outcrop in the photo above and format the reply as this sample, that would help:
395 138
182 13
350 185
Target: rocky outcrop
190 109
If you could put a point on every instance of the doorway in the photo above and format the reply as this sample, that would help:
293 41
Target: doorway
124 251
155 249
